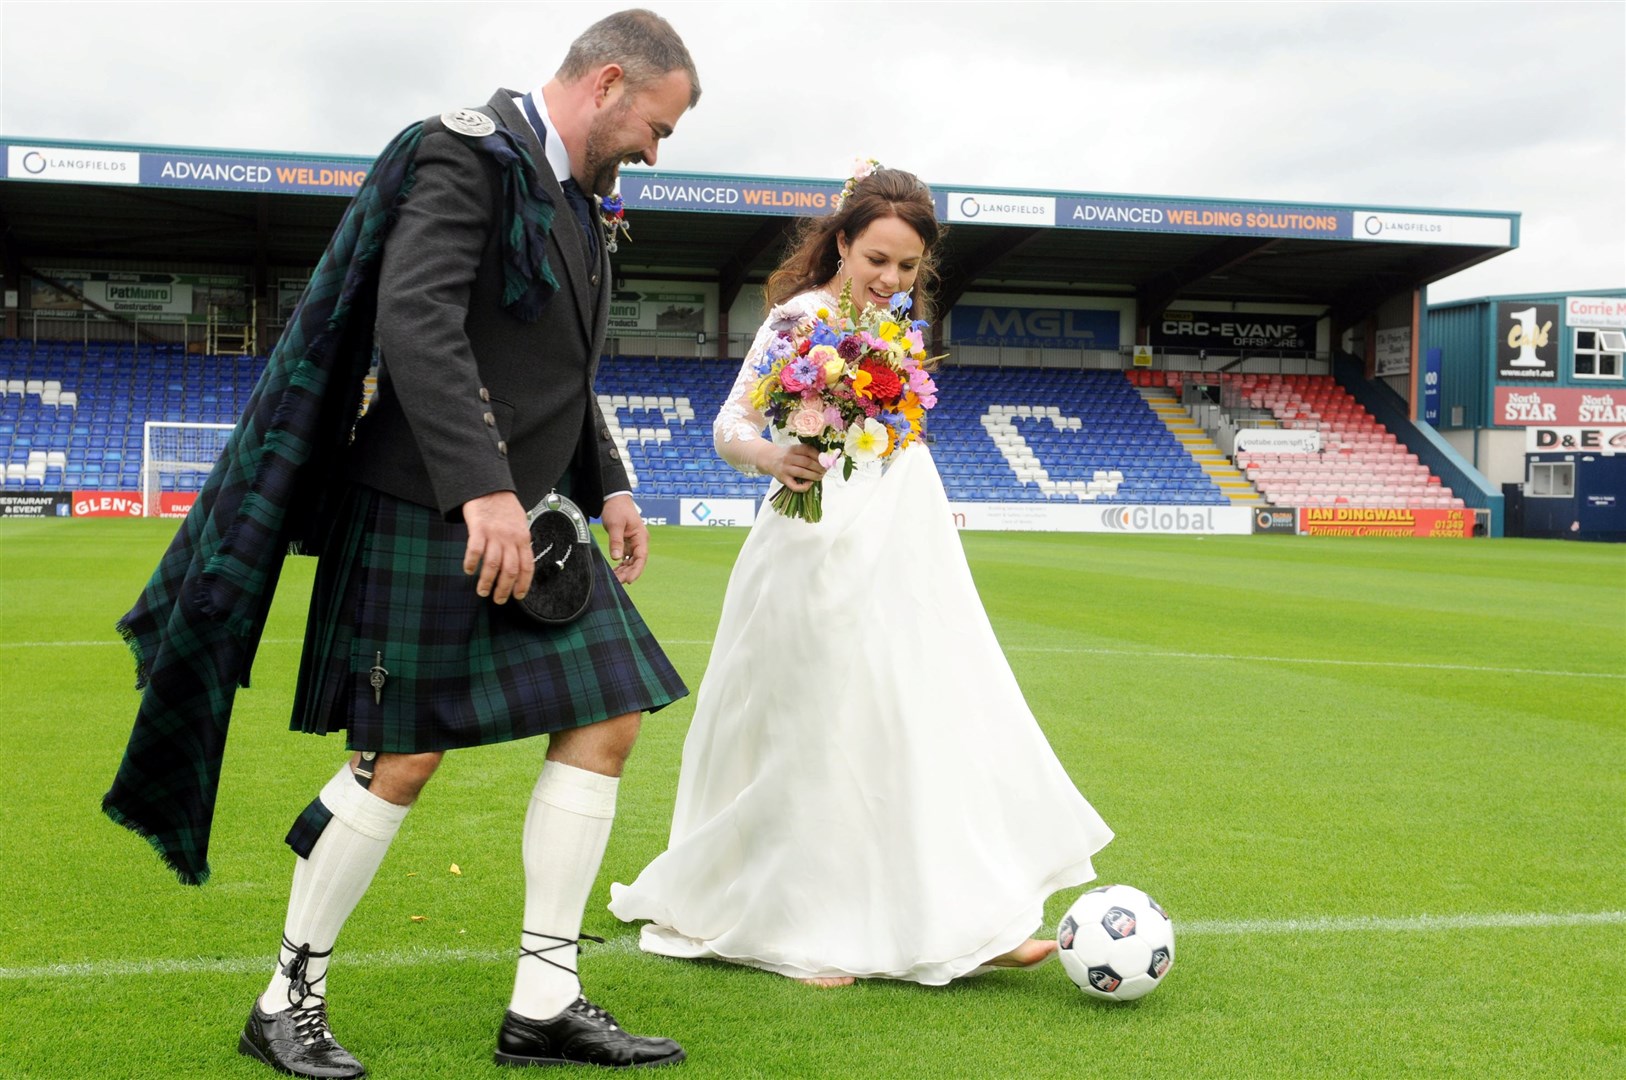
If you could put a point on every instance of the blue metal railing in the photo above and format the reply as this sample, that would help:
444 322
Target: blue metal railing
1454 470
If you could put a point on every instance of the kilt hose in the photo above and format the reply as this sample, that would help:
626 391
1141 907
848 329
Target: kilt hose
458 670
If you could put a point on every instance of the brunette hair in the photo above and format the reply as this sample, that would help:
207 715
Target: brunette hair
810 261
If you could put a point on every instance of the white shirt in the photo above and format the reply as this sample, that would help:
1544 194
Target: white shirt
553 149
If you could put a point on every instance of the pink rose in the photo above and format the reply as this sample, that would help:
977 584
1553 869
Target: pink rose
807 423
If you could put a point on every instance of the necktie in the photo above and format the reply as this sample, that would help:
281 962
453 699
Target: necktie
579 202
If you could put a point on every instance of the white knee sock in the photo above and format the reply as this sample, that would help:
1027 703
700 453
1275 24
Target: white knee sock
331 881
566 829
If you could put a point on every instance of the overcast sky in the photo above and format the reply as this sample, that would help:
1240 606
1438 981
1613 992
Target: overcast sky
1463 106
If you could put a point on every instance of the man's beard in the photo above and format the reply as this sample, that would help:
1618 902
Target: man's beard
603 162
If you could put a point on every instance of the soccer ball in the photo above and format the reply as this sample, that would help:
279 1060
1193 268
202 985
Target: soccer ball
1116 943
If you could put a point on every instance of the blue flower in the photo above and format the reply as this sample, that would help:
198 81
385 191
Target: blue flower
919 324
898 422
780 348
901 302
823 335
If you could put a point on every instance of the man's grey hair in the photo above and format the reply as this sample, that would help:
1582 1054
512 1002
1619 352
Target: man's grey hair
643 43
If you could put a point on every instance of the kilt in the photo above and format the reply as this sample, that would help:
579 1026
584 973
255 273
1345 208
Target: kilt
461 671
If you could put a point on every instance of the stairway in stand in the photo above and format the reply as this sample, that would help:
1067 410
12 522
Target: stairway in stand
1224 475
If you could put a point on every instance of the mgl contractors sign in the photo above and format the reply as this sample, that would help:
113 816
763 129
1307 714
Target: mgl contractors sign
1033 328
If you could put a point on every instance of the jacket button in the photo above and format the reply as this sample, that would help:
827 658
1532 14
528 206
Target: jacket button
614 453
491 421
502 448
594 280
485 395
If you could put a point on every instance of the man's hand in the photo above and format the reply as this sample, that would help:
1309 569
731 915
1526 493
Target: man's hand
499 546
629 538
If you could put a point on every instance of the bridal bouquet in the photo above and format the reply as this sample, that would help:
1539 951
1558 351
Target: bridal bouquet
853 384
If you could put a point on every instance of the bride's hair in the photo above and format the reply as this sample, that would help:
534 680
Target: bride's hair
810 260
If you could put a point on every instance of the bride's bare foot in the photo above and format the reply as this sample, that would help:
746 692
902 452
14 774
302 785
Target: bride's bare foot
1031 953
828 982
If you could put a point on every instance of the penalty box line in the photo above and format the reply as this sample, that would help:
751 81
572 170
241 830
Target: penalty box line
241 965
1068 650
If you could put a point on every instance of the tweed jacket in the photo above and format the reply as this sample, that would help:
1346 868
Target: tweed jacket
471 399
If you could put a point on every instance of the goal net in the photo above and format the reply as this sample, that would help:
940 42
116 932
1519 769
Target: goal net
176 457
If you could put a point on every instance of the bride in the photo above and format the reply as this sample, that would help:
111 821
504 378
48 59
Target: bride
864 792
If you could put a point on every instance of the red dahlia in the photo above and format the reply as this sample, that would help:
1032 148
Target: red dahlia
884 382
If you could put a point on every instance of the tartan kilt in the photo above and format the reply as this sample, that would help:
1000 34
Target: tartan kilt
461 671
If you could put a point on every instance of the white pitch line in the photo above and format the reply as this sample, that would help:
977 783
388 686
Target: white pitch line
1070 650
1486 670
239 965
1393 924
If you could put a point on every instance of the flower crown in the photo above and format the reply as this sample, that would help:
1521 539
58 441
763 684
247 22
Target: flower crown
863 169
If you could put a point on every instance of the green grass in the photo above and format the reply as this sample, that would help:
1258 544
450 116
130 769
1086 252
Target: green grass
1288 735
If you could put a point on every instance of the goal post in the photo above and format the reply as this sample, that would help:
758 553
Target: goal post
178 449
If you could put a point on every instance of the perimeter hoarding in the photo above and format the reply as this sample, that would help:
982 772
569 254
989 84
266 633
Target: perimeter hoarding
1517 406
36 504
1365 521
993 517
1081 517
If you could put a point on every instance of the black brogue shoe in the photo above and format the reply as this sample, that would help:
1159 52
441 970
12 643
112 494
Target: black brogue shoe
583 1034
297 1041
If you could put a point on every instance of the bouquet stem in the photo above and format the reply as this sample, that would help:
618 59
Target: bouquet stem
807 505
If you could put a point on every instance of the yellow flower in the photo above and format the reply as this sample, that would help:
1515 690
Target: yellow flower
861 381
889 330
823 313
759 396
834 370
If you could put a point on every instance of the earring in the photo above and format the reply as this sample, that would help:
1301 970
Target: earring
840 265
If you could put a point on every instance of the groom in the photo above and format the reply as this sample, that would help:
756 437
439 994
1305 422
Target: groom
480 413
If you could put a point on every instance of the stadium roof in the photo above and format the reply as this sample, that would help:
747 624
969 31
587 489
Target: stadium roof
176 204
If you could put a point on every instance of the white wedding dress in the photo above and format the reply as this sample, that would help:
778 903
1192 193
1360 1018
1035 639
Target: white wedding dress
864 790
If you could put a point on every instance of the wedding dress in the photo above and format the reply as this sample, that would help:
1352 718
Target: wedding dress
864 790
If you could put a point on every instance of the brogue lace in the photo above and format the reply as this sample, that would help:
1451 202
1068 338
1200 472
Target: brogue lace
558 943
593 1012
307 1008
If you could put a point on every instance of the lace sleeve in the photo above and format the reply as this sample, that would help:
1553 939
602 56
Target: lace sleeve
737 431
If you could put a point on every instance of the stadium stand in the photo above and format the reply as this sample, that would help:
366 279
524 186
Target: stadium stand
1360 463
71 418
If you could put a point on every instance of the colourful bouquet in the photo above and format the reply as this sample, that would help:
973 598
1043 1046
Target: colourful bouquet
852 384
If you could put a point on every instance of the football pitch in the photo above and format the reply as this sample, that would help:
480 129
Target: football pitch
1379 785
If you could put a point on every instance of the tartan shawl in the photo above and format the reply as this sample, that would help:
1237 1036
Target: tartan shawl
273 489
